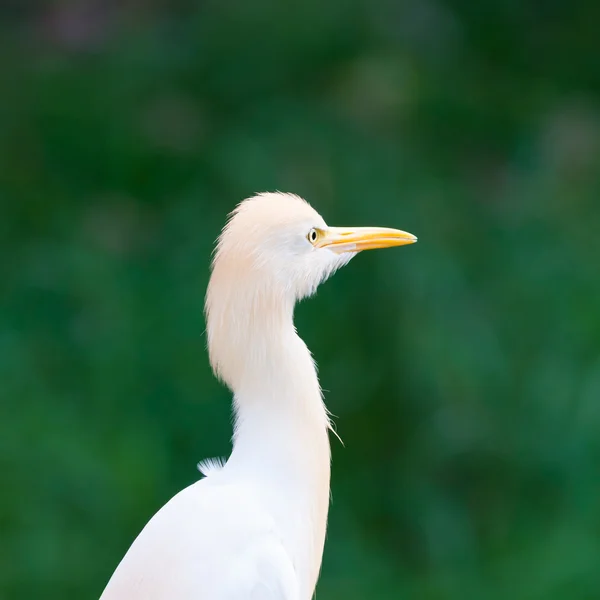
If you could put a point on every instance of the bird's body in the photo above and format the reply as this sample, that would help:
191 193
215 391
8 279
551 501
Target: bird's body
254 529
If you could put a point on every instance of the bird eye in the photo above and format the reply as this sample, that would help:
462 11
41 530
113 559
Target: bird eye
312 236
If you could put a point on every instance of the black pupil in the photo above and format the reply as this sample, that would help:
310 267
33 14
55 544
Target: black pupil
313 235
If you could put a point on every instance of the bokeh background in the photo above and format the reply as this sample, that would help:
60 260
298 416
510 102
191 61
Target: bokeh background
464 371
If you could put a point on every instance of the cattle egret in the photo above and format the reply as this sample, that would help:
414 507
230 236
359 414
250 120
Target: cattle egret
254 527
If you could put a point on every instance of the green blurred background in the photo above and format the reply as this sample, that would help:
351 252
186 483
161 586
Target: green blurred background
464 371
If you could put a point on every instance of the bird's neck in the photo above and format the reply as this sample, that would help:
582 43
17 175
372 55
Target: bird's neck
281 439
279 397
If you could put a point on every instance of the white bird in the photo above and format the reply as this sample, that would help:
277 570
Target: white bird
254 528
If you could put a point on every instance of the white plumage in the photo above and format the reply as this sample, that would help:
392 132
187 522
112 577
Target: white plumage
254 528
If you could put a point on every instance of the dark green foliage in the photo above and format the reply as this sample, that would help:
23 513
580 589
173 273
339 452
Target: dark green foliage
464 371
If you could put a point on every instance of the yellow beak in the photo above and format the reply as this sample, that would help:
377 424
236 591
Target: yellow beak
356 239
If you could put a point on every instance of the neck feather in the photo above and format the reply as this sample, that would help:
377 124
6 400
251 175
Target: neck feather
280 438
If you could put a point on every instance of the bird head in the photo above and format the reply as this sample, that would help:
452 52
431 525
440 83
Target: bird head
274 250
279 241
